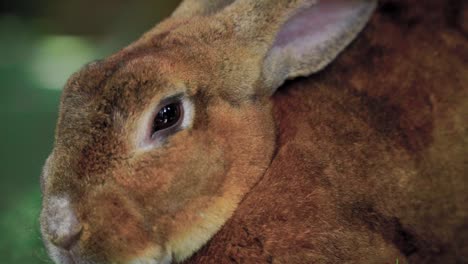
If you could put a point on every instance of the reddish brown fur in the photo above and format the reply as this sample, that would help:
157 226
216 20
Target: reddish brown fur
157 194
371 162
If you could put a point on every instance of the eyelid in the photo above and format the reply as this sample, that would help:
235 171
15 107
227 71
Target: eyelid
169 100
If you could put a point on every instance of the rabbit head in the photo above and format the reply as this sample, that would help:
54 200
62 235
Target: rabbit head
156 145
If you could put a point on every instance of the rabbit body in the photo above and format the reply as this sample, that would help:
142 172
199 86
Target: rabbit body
372 154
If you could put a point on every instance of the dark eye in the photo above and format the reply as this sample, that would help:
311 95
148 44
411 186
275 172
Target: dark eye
168 116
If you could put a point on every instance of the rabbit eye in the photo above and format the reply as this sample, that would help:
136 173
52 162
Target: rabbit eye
173 114
168 116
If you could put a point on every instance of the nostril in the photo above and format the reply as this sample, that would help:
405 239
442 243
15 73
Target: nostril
67 238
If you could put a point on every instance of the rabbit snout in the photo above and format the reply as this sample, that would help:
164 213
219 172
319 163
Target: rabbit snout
61 226
104 228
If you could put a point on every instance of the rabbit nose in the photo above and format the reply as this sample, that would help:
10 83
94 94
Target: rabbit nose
67 238
62 226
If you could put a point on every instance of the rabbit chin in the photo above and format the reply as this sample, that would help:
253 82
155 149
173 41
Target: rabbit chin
72 256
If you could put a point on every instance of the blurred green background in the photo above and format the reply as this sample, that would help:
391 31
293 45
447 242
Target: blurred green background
41 44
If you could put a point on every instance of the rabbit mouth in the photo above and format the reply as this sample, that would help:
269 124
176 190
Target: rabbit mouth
62 256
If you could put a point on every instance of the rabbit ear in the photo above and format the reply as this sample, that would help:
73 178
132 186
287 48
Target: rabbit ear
298 38
190 8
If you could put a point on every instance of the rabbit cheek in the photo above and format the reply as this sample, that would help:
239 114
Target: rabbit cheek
245 136
114 228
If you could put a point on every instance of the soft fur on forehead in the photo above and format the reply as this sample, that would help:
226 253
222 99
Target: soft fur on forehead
103 100
372 156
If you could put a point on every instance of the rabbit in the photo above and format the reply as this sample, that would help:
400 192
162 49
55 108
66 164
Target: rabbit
182 147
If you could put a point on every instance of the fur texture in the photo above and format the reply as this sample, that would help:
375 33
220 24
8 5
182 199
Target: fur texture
372 153
364 162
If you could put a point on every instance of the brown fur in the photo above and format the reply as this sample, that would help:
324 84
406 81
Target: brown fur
369 162
129 201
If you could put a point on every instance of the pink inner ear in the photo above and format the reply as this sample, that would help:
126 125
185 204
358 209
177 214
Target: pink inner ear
317 24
